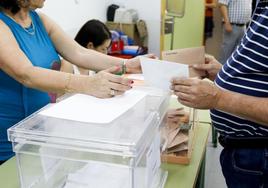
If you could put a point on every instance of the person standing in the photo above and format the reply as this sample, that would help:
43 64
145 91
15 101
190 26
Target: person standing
236 15
238 103
209 23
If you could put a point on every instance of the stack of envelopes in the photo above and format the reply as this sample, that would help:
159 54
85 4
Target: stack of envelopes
174 132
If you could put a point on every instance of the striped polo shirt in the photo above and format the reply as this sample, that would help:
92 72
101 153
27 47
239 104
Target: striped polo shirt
239 11
246 72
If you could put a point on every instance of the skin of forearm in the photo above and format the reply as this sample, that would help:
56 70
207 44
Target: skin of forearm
96 61
248 107
224 13
55 81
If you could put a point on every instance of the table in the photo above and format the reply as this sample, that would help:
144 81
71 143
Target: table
179 176
184 176
192 175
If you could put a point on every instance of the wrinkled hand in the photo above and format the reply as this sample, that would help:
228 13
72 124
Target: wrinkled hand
134 65
196 93
105 84
211 67
228 27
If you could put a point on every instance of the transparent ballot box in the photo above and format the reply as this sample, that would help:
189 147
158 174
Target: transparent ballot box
53 152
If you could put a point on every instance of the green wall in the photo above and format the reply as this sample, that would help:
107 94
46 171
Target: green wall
189 29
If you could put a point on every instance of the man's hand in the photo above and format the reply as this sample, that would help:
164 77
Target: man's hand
196 93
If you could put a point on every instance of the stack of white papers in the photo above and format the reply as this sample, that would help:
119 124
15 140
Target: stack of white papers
96 175
90 109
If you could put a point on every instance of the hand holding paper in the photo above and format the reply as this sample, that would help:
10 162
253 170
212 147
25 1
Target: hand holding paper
159 73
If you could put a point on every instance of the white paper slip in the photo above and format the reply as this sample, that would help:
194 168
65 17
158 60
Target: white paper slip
136 76
90 109
158 73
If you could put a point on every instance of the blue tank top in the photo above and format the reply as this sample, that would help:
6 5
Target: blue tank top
16 100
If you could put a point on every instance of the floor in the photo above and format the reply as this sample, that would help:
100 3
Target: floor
214 177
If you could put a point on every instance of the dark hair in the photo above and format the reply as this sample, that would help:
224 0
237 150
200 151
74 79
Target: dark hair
12 5
93 31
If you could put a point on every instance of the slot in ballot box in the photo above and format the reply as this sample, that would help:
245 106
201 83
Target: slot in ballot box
55 152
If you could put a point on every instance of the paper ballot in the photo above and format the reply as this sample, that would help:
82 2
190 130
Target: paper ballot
100 175
188 56
158 73
90 109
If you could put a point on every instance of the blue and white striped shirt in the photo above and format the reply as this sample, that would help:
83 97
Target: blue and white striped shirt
246 72
239 11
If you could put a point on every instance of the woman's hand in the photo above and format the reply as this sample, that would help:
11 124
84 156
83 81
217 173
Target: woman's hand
196 93
211 67
134 65
105 84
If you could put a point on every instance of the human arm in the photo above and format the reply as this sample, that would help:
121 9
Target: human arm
213 4
224 13
211 67
204 94
66 66
21 69
83 57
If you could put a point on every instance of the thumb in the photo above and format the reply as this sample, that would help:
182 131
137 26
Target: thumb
113 70
201 66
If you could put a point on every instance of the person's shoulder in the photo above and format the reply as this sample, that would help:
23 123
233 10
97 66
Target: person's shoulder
6 32
39 14
3 26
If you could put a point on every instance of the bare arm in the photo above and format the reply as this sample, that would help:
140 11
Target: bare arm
21 69
205 95
224 13
75 53
248 107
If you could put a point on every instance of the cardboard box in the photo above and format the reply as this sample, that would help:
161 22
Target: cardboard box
129 29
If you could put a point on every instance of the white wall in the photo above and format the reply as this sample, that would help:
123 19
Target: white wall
72 14
150 11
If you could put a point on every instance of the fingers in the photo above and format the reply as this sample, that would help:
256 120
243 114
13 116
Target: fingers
184 96
204 67
119 87
183 81
116 92
115 78
113 70
152 56
186 103
120 80
209 57
181 88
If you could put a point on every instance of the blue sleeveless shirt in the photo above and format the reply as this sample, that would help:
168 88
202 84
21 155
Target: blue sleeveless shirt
16 100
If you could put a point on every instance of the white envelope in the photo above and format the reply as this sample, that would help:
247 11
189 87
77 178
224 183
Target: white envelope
158 73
